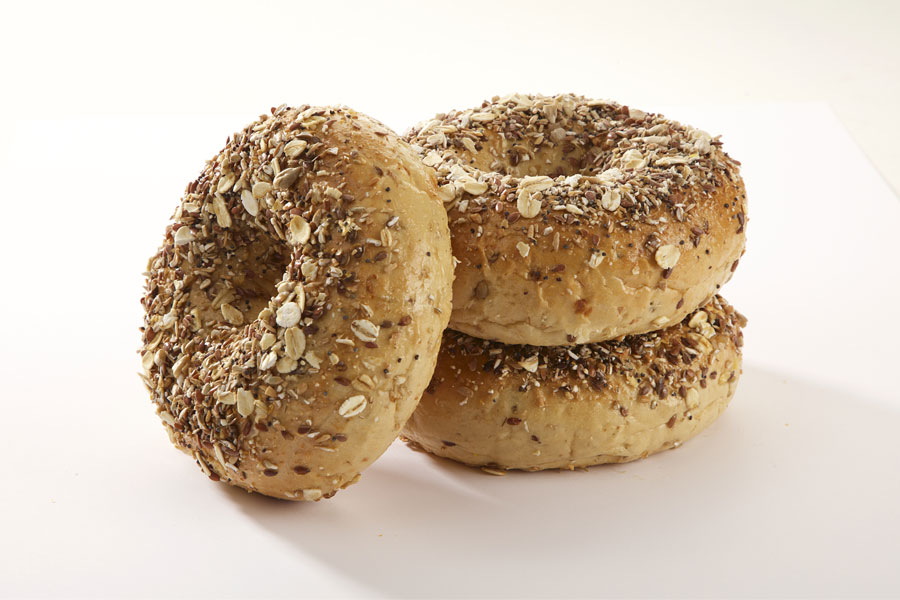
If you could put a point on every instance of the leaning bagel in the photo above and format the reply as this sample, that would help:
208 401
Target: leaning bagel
533 408
577 221
294 311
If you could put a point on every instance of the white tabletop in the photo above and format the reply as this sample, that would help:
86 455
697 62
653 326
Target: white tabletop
795 491
108 111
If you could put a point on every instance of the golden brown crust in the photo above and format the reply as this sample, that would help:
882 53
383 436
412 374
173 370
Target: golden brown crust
532 408
619 221
294 311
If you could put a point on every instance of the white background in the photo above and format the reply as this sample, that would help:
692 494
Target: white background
109 110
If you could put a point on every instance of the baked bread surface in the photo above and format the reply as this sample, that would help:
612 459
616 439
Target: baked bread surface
577 220
295 309
533 408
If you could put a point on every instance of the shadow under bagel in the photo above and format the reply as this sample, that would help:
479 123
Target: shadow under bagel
543 533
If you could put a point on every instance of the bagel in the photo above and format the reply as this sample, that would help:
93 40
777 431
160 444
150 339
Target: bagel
294 311
577 221
533 408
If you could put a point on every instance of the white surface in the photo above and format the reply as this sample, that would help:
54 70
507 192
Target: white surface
794 492
231 56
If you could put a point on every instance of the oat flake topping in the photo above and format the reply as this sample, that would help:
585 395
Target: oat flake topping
260 253
553 162
664 361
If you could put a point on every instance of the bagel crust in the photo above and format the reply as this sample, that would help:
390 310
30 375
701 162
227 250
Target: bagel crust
294 311
533 408
576 221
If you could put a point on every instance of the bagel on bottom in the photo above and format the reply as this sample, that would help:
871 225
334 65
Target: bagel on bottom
534 408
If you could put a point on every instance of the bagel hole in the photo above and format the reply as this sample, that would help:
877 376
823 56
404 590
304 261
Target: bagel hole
579 156
251 264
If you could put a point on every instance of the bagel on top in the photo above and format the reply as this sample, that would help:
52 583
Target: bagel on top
577 220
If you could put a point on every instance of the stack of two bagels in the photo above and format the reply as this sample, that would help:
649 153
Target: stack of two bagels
591 241
295 309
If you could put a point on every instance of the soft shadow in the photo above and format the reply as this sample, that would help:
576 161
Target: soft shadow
770 488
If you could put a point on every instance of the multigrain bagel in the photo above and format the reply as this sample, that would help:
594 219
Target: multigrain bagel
576 221
533 408
295 308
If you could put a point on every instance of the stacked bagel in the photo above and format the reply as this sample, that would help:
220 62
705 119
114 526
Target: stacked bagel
591 241
299 303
